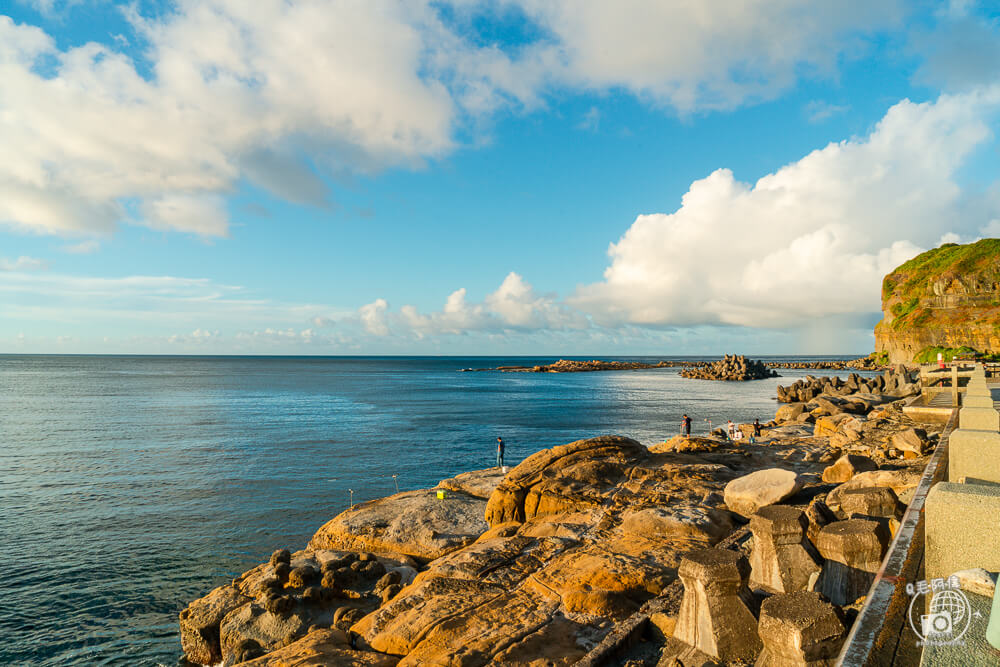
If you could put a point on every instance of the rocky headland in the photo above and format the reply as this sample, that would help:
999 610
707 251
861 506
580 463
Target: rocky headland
946 299
601 551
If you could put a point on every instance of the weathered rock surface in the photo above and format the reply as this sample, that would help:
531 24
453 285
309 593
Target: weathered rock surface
475 483
568 477
322 648
679 521
846 467
900 481
415 523
911 442
745 495
200 624
276 603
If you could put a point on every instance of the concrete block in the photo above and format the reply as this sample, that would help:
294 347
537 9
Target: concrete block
980 419
974 401
974 454
961 529
715 615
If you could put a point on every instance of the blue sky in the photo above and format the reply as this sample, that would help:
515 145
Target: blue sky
521 177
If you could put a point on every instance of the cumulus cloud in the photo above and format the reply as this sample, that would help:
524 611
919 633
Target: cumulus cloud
285 94
513 306
810 240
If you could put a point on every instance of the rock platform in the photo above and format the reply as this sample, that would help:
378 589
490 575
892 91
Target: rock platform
571 553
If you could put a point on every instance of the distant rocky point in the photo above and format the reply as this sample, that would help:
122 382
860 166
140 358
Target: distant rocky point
575 366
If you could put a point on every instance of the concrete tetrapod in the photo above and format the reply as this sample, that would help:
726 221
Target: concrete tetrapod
782 560
961 529
715 615
799 629
974 456
853 550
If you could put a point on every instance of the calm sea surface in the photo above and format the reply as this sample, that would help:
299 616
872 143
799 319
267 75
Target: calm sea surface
130 486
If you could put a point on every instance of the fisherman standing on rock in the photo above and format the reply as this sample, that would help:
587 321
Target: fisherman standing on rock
500 448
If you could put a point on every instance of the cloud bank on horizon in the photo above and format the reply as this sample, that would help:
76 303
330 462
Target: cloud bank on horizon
161 128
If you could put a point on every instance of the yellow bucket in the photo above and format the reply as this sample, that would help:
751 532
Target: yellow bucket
442 494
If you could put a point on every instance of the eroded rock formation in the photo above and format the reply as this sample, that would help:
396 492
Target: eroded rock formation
569 554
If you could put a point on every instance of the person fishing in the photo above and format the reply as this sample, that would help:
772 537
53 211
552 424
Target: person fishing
756 431
686 426
500 448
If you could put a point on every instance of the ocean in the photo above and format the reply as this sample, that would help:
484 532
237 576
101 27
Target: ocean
131 485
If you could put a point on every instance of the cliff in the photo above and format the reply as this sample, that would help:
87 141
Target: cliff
948 297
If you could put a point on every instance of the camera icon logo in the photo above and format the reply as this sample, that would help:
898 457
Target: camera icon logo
939 623
948 611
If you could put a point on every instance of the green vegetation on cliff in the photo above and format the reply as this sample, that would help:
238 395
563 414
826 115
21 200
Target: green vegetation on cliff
929 354
947 298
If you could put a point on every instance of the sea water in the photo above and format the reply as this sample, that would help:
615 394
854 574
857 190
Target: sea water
130 486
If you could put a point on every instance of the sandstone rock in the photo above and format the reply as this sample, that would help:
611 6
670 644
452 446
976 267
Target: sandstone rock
680 443
745 495
828 425
781 560
789 412
200 624
846 467
573 476
911 442
322 648
715 615
476 483
799 629
900 481
871 502
414 523
680 521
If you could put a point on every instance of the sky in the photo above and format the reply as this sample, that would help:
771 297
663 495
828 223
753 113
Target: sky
519 177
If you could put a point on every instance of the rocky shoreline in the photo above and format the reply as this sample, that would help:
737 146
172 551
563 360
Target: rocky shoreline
574 366
553 561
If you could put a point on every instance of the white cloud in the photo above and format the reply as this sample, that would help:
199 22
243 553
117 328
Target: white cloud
811 240
694 56
284 94
82 248
514 306
22 263
236 90
374 317
818 111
